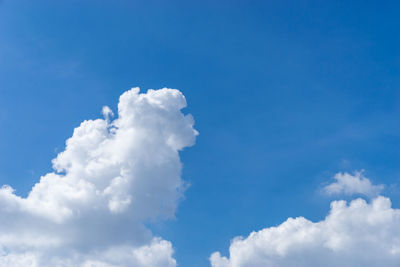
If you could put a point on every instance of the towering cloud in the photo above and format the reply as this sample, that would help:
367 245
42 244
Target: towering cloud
112 178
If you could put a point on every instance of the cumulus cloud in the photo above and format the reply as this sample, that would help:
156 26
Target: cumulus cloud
353 184
353 234
111 179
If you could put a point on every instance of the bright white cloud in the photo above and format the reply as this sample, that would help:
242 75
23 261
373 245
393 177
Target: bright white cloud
113 177
352 235
352 184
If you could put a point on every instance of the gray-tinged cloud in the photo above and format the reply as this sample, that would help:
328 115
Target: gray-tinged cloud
113 177
353 184
352 235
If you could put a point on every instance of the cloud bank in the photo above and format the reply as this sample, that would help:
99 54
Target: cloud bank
353 184
113 177
353 234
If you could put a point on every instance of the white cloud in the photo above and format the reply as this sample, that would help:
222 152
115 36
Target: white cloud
112 178
107 112
352 235
353 184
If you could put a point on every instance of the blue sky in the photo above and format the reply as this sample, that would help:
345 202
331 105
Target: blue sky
284 96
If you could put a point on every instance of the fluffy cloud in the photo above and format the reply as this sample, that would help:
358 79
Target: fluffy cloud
352 184
112 178
352 235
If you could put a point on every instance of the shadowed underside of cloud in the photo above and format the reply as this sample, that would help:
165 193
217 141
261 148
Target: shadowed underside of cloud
113 177
352 235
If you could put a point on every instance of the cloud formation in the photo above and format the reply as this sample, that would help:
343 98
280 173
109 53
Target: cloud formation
353 184
112 178
353 234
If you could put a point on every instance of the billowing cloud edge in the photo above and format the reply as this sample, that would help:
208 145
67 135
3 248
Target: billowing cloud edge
358 233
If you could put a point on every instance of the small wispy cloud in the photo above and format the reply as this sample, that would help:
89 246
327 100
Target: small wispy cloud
350 184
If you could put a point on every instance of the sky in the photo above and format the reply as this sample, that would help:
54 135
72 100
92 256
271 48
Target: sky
291 106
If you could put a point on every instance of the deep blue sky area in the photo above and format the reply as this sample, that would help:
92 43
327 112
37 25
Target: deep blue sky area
284 94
